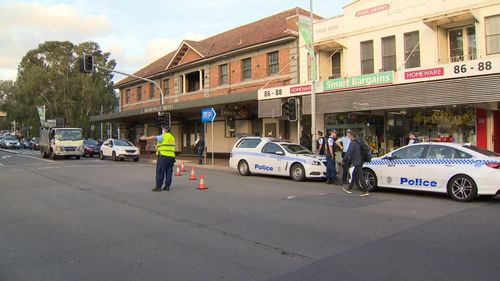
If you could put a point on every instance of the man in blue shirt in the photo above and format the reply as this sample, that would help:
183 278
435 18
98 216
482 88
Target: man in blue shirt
344 143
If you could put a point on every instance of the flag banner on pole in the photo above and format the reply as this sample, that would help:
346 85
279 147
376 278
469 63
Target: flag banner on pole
41 113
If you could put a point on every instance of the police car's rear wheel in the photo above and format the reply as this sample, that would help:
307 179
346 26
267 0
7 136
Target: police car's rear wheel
462 188
297 172
243 168
371 179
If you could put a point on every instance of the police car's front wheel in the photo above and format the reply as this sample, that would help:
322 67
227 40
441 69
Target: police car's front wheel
462 188
371 179
297 172
243 168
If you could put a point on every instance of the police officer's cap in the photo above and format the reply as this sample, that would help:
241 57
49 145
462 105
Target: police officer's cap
166 128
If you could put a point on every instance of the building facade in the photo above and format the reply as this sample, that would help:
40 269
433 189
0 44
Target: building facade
432 67
223 72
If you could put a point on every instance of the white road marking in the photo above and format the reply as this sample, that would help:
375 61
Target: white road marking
51 167
34 164
290 197
38 158
2 165
5 157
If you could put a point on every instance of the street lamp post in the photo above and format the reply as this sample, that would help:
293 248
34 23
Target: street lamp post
313 80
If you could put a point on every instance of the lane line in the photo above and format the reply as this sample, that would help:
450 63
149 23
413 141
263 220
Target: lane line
38 158
51 167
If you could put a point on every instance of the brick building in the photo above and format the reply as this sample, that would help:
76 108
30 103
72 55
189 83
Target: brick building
223 72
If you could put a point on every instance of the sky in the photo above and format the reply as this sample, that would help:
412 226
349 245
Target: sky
136 33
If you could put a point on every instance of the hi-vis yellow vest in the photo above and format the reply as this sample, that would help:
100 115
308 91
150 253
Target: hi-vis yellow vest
167 146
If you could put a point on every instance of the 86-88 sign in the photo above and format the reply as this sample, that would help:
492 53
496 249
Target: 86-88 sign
473 66
273 93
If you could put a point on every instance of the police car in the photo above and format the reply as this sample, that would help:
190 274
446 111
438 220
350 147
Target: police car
462 171
269 156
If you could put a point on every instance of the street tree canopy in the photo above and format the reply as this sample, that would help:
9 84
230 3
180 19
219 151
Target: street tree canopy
49 75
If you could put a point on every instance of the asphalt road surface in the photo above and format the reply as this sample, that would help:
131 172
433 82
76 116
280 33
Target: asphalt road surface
90 219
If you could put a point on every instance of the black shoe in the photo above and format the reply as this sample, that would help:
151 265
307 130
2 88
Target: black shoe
166 188
156 189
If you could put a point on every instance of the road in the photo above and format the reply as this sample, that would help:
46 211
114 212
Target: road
90 219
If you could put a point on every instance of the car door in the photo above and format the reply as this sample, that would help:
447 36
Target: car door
273 161
441 163
106 148
401 168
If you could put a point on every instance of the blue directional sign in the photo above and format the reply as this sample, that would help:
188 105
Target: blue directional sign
208 115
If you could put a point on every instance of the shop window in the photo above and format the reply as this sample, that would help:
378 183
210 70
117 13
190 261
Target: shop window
336 65
139 93
223 74
230 127
367 65
127 96
246 69
151 90
462 43
166 87
272 63
492 35
412 49
389 53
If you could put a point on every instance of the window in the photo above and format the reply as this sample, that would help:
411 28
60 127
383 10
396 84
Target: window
367 57
412 49
139 93
444 152
492 35
248 143
389 53
127 96
272 148
223 74
410 152
272 63
246 69
462 43
151 90
230 127
166 87
193 81
336 65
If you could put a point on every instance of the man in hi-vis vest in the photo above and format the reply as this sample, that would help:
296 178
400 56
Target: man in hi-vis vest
165 150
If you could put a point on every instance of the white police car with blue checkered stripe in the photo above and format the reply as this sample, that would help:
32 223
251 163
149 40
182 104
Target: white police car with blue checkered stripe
462 171
269 156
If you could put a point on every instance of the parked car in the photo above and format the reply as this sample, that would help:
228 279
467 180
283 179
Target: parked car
35 145
91 147
460 170
11 142
2 139
119 149
270 156
25 144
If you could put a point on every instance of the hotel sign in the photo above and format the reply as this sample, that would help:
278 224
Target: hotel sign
165 107
361 81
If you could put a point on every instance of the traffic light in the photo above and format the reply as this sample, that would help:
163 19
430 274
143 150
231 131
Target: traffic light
164 119
87 64
292 109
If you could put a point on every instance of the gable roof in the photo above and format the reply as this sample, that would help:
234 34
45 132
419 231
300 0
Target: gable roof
265 30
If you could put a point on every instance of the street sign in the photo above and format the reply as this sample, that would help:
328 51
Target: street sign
208 115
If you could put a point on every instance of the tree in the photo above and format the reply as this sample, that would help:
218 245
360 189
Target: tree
49 75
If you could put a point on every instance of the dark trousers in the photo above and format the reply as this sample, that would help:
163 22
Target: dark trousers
164 170
358 178
345 169
331 172
199 153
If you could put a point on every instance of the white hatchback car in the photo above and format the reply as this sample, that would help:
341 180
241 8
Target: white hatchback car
462 171
119 149
270 156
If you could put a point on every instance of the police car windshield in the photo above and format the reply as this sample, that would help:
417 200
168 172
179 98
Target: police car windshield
296 149
482 151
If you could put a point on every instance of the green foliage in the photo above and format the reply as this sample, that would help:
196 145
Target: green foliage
49 75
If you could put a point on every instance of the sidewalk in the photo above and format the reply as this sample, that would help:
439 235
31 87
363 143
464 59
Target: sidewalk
190 160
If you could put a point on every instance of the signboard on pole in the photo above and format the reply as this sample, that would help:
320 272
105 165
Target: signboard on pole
208 115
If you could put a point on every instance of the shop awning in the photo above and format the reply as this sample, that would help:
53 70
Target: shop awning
448 19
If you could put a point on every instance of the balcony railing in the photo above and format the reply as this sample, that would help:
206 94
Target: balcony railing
457 58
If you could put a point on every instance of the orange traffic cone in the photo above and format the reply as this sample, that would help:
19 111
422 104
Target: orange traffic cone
182 167
193 175
177 171
202 185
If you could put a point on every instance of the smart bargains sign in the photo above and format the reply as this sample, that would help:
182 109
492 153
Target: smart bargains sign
360 81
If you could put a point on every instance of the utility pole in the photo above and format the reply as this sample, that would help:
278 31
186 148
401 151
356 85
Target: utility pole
313 80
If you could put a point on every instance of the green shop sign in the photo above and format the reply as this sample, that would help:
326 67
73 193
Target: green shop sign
359 81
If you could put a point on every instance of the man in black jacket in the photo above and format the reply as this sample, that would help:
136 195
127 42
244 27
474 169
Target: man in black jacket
355 157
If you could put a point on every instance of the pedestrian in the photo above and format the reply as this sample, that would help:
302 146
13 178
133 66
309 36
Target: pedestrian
320 143
343 143
331 172
355 157
305 140
199 147
165 150
142 143
413 139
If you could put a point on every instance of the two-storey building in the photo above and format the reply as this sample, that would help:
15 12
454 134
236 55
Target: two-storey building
223 72
391 67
